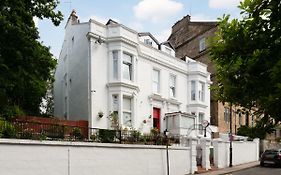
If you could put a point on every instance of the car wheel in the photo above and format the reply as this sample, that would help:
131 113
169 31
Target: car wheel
261 164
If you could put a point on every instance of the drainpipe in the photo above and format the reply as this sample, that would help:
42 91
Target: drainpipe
166 132
89 86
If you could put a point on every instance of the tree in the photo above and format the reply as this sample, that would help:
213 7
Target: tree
25 64
247 56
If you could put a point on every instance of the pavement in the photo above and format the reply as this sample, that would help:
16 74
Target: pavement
229 170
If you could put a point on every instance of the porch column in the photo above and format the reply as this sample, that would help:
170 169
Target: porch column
205 145
193 164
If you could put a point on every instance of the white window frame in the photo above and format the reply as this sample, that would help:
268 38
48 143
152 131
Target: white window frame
156 81
202 44
129 65
172 85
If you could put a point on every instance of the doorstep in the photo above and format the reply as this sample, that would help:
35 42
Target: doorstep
201 170
228 169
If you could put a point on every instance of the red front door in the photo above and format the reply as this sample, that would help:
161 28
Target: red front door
156 118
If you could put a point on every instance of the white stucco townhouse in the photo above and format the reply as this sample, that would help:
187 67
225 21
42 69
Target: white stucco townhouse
112 68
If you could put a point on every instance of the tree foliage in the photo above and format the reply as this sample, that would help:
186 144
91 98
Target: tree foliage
25 64
260 130
247 55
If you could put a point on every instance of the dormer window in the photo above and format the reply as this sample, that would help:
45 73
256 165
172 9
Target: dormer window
148 42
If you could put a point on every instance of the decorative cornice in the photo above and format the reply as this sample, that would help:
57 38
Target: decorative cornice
197 105
123 84
164 100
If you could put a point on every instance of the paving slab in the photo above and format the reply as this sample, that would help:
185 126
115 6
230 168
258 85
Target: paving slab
231 169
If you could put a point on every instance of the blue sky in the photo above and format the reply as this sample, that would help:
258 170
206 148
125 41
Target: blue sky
154 16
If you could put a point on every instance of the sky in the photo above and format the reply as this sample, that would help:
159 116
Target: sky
154 16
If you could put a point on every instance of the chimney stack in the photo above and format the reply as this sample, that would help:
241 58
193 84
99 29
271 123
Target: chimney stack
73 17
183 22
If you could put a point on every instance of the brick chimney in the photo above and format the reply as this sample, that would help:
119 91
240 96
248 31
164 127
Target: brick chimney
72 19
181 23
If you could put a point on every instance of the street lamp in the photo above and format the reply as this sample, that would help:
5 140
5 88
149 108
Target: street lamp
166 133
205 124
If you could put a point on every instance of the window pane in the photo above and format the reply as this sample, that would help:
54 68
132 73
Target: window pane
226 114
201 117
115 102
172 85
155 87
200 120
193 90
127 119
156 75
172 81
202 45
127 58
240 118
172 92
201 92
126 71
127 104
115 64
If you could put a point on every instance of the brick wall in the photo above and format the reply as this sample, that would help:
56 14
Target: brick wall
185 38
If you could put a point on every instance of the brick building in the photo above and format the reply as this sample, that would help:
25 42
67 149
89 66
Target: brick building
190 39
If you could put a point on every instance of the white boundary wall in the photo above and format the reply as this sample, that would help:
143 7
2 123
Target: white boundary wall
27 157
242 152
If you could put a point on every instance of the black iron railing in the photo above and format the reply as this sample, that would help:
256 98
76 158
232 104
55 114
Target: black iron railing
42 131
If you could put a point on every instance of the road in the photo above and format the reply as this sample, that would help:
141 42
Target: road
259 171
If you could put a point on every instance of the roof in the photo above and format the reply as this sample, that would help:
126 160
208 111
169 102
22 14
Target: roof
151 36
110 21
168 44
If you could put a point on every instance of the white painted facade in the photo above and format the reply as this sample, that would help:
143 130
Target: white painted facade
106 68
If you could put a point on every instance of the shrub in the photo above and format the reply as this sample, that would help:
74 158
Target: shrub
106 136
77 134
7 130
27 133
135 135
56 131
94 137
11 111
154 131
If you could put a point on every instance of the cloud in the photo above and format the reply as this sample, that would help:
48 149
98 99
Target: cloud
223 4
202 17
163 35
156 10
136 26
